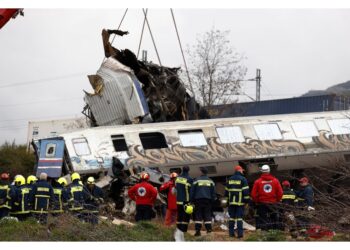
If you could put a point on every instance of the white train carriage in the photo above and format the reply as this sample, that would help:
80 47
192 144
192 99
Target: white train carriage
286 142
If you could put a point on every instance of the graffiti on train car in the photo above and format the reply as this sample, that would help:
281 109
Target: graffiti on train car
248 149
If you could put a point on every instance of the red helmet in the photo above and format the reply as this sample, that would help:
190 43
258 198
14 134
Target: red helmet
304 180
5 176
145 176
285 183
173 175
238 168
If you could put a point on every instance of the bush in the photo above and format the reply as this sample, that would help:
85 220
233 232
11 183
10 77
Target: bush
15 159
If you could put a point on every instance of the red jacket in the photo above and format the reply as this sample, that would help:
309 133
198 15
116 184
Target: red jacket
267 189
170 187
143 193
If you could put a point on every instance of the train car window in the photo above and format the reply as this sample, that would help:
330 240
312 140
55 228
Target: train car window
268 131
305 129
119 143
154 140
230 134
190 138
81 146
339 126
50 150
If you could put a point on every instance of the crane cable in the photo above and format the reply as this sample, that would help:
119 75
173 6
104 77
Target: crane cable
143 28
154 44
182 52
120 24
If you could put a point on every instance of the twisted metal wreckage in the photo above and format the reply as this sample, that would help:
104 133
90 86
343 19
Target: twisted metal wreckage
128 91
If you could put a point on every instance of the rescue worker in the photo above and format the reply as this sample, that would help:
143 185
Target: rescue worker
183 188
41 196
203 195
144 194
266 194
31 180
21 205
305 197
61 197
171 211
92 205
7 195
78 196
288 203
237 193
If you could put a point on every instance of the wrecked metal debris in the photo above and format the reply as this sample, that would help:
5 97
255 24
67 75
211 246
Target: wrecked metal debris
127 91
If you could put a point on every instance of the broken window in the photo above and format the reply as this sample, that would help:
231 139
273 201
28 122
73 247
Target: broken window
154 140
339 126
50 150
305 129
81 146
268 131
190 138
119 143
230 134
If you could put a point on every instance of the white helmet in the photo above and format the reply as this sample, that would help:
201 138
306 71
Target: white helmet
265 169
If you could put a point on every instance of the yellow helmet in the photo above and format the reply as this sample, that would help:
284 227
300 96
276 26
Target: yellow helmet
91 180
188 209
20 180
31 179
62 181
75 176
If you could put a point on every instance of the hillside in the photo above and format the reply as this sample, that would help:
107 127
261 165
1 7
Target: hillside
338 89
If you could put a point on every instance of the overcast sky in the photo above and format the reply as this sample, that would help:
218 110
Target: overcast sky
46 55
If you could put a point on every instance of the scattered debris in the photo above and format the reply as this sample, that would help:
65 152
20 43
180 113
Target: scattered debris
122 222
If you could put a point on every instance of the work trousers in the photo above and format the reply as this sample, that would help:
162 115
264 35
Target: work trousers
4 212
202 212
267 216
182 218
170 217
143 212
236 216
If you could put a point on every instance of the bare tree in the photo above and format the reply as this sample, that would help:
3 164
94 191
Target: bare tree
215 68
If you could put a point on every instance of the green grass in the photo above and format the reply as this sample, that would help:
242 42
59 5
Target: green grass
68 228
271 235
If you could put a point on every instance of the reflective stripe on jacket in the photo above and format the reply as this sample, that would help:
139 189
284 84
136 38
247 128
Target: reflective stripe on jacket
7 195
40 196
203 188
77 196
60 199
21 203
183 185
237 190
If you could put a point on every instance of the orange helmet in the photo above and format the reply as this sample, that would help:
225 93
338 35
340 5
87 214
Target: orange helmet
5 176
173 175
304 180
145 176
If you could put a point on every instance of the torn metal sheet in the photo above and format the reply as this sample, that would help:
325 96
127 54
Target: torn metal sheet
121 100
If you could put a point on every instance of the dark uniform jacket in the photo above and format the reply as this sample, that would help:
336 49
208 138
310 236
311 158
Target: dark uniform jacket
183 185
78 196
60 200
21 203
7 195
305 196
203 188
288 197
237 190
40 196
96 199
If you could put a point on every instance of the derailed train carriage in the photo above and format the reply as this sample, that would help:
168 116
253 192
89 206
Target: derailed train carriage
285 142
